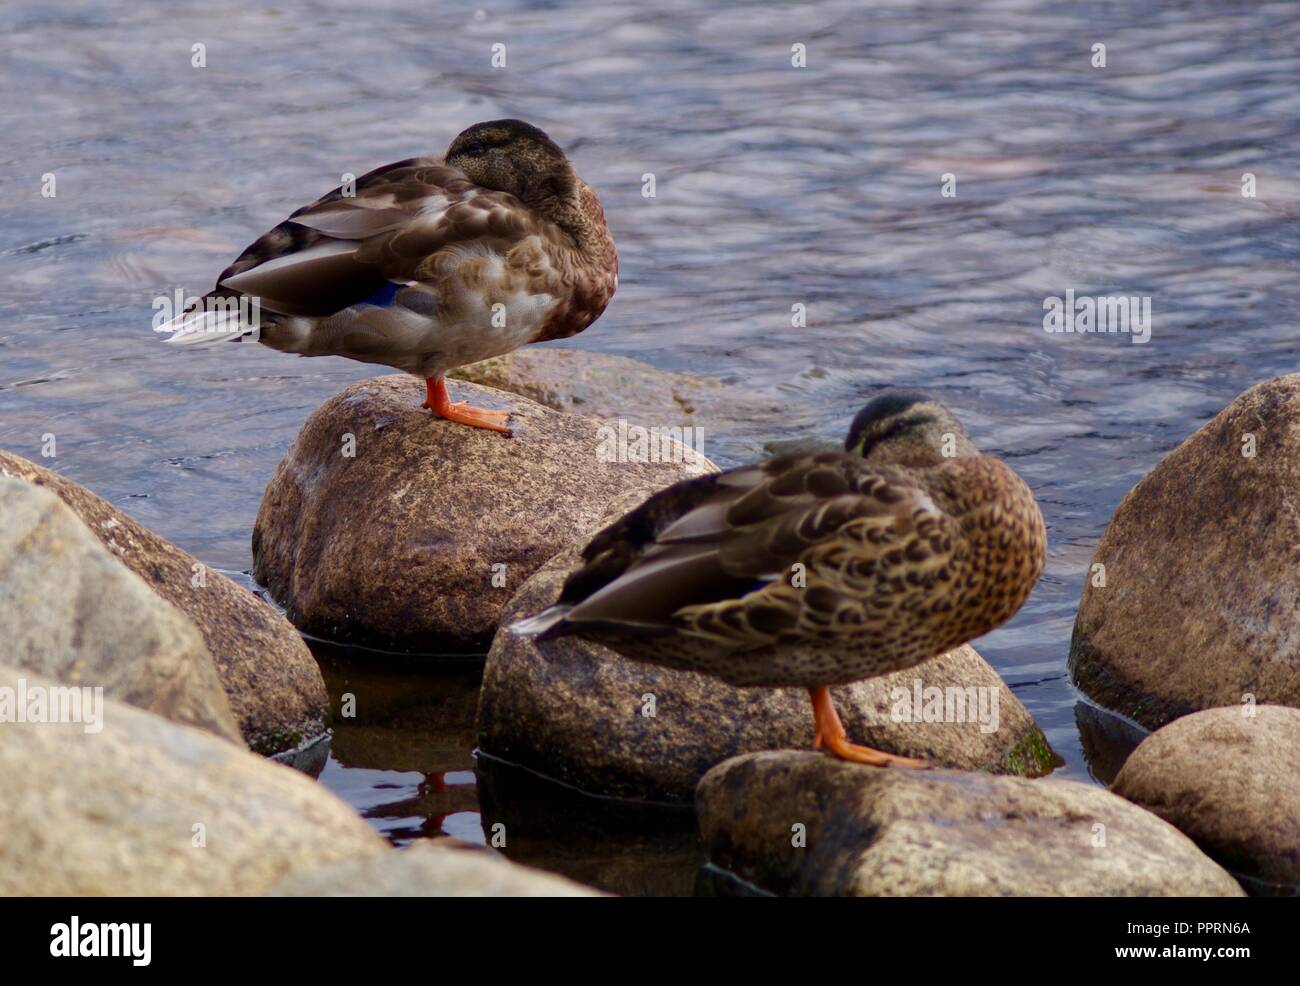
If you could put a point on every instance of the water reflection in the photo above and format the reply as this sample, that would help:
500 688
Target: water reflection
619 846
404 758
405 761
1107 738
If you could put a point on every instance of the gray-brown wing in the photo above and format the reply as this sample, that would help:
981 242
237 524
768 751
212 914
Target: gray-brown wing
346 249
689 555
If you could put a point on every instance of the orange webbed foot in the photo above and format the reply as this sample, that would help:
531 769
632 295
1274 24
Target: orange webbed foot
831 737
462 412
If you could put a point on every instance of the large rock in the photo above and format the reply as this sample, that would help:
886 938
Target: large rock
441 868
387 528
119 812
273 683
1201 602
1231 782
577 711
868 831
71 612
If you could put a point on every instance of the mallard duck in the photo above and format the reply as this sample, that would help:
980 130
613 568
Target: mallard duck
430 265
816 569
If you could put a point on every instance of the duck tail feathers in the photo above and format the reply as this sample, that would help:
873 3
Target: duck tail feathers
550 622
217 318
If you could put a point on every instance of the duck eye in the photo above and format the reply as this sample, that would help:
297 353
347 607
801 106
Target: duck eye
475 148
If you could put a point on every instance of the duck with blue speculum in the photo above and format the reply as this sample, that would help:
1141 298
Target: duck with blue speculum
816 569
432 264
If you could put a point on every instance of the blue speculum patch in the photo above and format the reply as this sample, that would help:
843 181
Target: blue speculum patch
383 297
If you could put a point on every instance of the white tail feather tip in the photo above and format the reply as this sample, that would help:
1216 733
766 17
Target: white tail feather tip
533 626
208 328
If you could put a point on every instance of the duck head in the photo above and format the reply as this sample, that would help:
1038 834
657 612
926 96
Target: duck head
515 157
907 428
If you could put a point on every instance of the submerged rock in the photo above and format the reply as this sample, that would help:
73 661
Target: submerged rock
1201 601
1108 740
606 386
71 612
147 807
387 528
586 716
440 868
627 848
803 824
1231 782
273 683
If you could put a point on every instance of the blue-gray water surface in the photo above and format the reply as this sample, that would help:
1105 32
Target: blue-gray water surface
775 186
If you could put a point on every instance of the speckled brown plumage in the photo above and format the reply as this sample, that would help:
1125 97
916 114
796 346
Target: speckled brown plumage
813 569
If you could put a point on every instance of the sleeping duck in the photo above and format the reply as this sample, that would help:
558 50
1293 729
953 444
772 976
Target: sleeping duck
816 569
431 264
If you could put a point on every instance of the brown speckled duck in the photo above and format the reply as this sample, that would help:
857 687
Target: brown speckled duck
430 265
816 569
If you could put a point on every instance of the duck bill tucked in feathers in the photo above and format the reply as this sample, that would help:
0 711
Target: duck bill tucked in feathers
427 264
814 569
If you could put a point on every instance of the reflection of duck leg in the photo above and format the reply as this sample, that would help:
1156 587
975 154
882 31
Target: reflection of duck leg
434 783
433 825
831 735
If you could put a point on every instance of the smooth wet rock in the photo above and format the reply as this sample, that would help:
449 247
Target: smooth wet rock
438 868
1229 781
415 541
119 812
270 677
606 386
71 612
894 832
577 711
1201 603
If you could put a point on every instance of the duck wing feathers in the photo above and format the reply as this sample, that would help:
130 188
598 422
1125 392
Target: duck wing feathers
408 222
716 556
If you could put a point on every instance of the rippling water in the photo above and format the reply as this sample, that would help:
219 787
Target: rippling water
775 186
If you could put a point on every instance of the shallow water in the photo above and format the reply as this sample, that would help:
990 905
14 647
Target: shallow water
775 186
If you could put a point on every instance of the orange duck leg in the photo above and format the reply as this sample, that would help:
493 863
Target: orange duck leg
832 737
441 405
